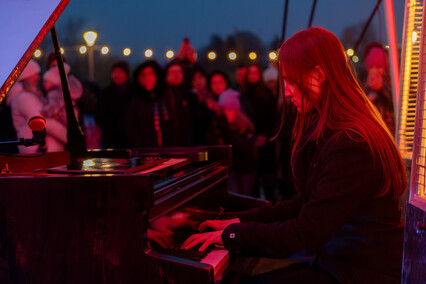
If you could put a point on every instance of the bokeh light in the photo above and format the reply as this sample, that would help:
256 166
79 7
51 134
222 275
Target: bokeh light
232 55
127 51
105 50
83 49
211 55
148 53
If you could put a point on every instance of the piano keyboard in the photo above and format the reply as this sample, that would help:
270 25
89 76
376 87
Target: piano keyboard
216 257
219 259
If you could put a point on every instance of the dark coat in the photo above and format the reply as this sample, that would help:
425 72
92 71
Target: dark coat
111 113
141 119
263 115
336 215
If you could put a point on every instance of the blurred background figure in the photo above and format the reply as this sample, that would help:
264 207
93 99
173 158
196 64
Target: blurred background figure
377 84
83 94
187 52
202 101
263 106
178 98
240 74
26 100
232 126
270 77
75 86
148 121
55 105
113 105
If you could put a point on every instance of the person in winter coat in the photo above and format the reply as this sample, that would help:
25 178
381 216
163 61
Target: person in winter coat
148 119
232 126
348 174
55 105
26 100
263 103
113 106
376 89
179 101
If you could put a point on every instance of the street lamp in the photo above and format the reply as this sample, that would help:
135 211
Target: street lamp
90 38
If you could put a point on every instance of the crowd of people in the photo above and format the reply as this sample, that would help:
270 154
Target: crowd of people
161 106
180 105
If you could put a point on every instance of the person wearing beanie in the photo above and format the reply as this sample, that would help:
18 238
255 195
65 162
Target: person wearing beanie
270 77
26 100
376 88
187 52
232 126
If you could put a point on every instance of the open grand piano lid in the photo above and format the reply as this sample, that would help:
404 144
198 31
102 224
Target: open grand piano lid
25 25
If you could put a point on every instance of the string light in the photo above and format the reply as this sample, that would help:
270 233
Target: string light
272 55
170 54
127 51
211 55
83 49
148 53
105 50
37 53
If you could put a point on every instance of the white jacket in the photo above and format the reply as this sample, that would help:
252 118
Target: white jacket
24 105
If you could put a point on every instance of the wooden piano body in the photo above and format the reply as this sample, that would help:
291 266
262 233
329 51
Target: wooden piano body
76 226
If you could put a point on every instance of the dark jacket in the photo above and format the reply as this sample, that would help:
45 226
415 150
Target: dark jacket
336 215
263 105
110 115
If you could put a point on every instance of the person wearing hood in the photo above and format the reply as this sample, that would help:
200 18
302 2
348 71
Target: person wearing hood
148 120
26 100
262 101
113 105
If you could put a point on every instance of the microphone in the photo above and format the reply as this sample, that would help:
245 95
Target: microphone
37 124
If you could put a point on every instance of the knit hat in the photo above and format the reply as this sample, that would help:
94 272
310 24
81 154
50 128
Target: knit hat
270 74
377 57
31 69
52 75
230 99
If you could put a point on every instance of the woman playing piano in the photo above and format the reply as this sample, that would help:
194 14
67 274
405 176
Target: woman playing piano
348 173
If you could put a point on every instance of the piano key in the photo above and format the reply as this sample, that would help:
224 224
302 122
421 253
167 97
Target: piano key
218 258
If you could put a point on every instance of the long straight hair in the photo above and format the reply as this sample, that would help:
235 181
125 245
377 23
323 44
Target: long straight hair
342 104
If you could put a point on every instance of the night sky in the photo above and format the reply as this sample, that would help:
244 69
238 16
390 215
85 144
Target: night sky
161 24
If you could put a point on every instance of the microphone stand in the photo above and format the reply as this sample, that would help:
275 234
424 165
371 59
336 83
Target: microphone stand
21 141
75 137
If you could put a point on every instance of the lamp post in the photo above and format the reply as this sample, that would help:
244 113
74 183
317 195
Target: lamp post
90 38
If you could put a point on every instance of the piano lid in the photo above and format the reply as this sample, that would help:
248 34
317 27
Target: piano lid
25 25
